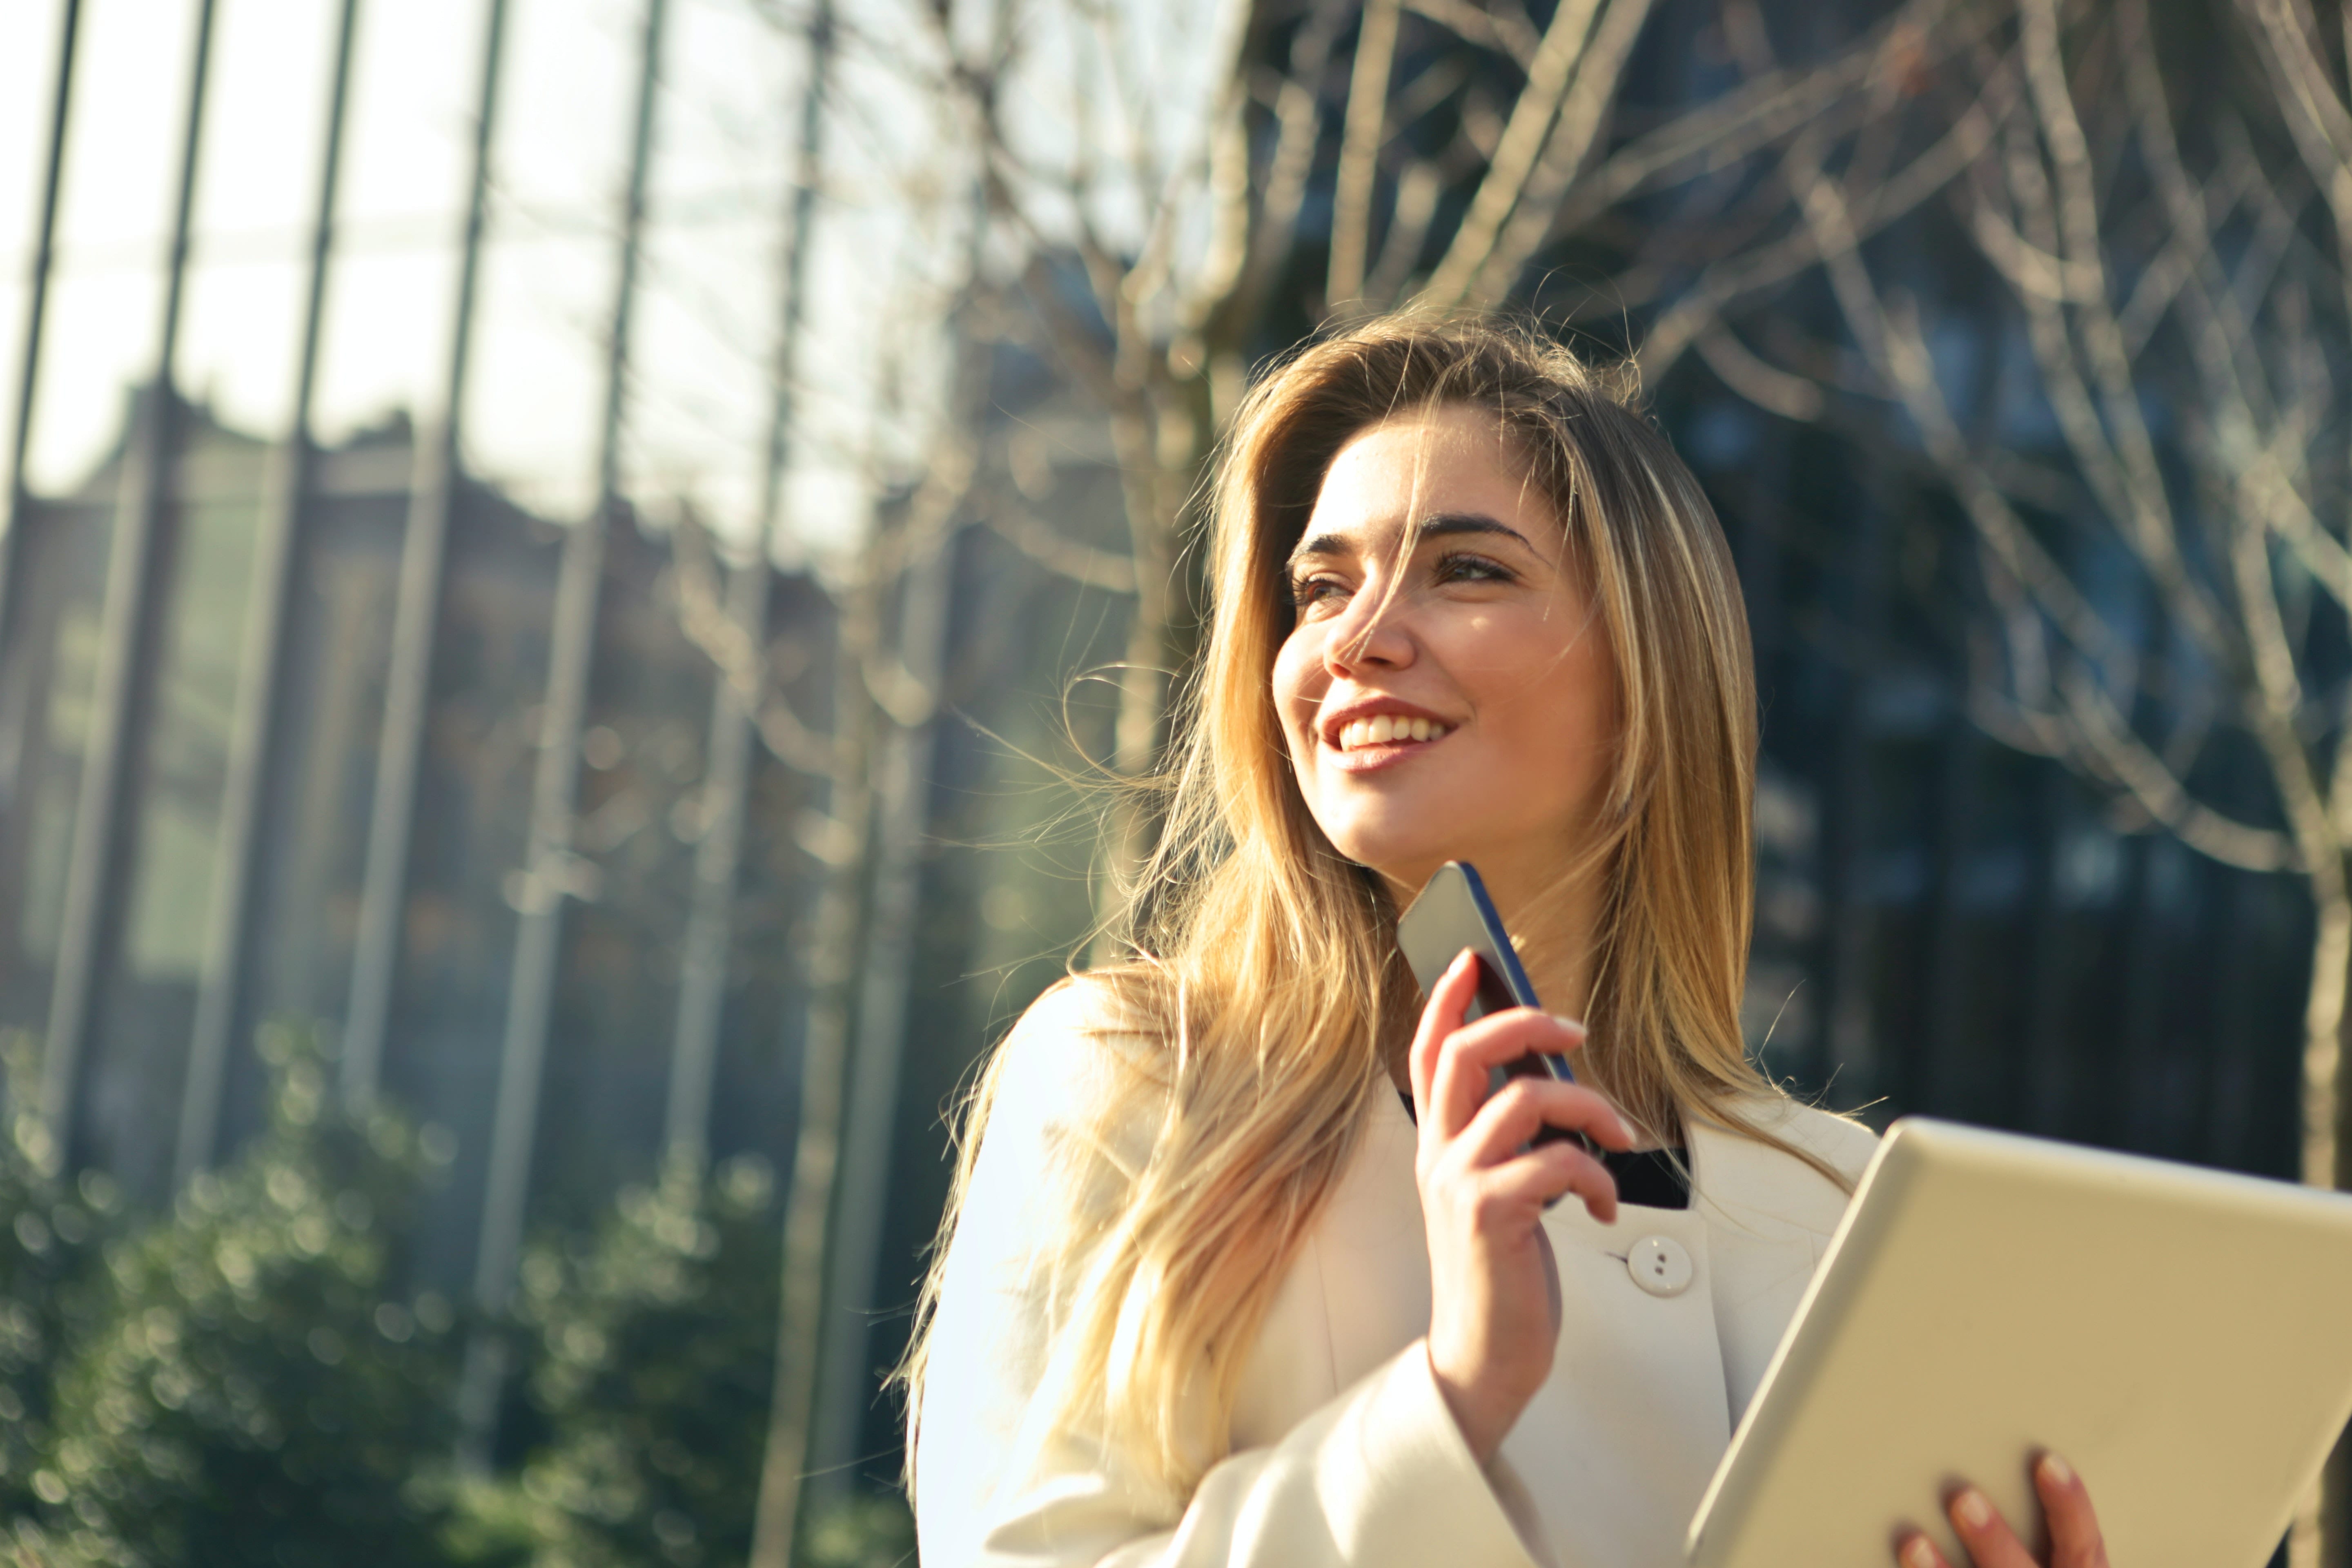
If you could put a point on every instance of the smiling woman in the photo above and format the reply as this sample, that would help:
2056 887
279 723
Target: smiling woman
1247 1265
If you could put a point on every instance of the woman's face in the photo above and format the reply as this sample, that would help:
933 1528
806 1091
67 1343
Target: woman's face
1473 633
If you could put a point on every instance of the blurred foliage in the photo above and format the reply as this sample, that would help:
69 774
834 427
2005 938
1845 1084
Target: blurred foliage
246 1389
241 1382
652 1345
48 1249
861 1532
652 1349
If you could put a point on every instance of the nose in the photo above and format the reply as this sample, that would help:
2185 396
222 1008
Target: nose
1373 630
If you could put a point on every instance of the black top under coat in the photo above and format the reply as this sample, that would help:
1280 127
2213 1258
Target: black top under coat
1650 1178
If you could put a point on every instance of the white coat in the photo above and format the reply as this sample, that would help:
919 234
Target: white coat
1342 1449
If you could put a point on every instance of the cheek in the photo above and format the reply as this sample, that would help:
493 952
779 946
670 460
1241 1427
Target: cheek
1294 685
1553 703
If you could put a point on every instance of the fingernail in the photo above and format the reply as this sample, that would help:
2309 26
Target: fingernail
1624 1130
1917 1553
1571 1024
1971 1509
2060 1472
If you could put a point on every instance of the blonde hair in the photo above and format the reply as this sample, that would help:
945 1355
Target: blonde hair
1266 995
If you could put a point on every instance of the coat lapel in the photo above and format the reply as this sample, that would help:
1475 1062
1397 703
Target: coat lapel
1769 1219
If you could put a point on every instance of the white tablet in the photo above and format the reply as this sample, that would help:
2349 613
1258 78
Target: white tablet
2182 1336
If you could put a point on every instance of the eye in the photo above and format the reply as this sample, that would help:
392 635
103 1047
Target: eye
1308 591
1457 567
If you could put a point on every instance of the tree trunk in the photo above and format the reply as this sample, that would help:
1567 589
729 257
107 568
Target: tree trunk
824 1060
1154 478
2320 1531
2323 1027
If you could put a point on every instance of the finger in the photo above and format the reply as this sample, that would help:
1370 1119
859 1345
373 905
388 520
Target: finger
2075 1537
1467 1057
1500 1039
1540 1175
1448 1000
1915 1551
1590 1180
1991 1541
1525 1106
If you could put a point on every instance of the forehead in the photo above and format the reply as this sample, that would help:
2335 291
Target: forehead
1454 459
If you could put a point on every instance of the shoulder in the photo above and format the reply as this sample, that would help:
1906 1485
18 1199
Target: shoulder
1085 1043
1074 1092
1764 1158
1843 1142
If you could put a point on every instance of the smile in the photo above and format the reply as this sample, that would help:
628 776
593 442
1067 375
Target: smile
1369 745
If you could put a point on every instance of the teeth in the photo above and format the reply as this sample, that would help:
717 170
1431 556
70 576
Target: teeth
1384 728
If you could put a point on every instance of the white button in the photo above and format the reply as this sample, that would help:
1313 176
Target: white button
1660 1265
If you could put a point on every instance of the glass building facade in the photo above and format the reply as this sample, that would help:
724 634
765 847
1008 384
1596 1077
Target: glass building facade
642 804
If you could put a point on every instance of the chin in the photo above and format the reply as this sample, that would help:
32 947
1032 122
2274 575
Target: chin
1406 864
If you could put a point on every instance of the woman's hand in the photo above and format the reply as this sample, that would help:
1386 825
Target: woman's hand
1495 1287
2075 1539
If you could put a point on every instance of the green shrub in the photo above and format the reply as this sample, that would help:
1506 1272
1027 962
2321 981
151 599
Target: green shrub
862 1530
49 1244
239 1381
652 1345
250 1392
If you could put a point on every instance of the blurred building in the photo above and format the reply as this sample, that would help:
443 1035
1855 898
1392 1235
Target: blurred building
643 806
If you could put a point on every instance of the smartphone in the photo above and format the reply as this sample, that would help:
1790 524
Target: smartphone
1454 912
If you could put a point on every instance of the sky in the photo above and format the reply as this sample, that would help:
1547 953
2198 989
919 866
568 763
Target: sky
707 316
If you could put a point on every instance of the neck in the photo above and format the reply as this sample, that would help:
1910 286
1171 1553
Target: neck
1555 928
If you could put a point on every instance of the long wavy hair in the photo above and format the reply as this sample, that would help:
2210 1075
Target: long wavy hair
1265 997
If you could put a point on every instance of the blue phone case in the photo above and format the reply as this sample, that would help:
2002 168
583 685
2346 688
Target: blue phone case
1454 912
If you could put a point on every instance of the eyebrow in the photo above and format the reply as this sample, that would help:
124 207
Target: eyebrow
1434 527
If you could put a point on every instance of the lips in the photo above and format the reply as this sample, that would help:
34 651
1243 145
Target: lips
1375 741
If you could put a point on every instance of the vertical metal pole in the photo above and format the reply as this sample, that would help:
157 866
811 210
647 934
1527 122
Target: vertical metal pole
2039 1077
1945 1071
417 617
229 933
14 705
717 864
2125 1050
825 1061
1847 1040
98 868
554 793
709 938
808 1199
903 786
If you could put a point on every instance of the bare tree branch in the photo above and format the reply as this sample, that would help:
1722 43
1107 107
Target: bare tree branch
1565 151
1866 214
1361 134
1513 160
1043 543
743 663
1507 36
